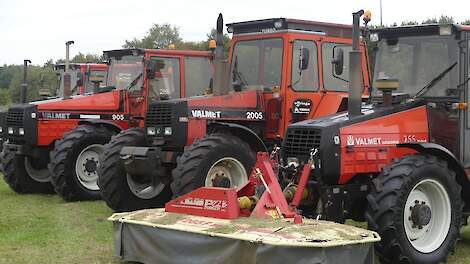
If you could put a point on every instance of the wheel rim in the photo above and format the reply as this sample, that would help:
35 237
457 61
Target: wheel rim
427 215
144 188
39 175
86 164
226 172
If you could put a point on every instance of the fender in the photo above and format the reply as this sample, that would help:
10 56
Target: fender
108 124
443 153
241 132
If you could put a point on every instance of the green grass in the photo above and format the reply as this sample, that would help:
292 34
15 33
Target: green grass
45 229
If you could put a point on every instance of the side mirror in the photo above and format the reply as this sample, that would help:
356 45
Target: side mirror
338 60
151 68
304 59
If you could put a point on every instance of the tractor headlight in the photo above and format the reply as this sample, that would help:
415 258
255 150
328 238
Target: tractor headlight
151 131
168 131
293 161
10 130
21 131
1 130
374 37
33 115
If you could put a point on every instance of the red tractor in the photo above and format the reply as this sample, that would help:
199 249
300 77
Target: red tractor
85 77
280 71
400 162
58 141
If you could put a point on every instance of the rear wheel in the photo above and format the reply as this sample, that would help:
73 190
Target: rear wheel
416 208
219 160
74 162
124 192
24 175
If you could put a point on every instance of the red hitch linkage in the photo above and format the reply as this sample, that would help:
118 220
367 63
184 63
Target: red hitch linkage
232 203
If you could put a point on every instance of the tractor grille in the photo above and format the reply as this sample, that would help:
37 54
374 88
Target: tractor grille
299 142
159 114
15 117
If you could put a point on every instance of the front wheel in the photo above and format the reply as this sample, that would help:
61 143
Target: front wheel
416 208
121 191
219 160
24 175
74 161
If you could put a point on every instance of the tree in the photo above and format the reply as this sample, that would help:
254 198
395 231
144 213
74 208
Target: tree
38 78
82 58
429 21
158 37
466 22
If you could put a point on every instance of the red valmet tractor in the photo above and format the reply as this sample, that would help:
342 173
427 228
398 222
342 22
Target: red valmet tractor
399 161
59 141
279 71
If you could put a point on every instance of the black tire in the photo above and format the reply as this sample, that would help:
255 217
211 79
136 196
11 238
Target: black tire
63 159
16 176
112 178
197 159
387 201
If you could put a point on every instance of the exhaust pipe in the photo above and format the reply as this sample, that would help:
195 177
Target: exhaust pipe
67 79
222 68
355 70
24 85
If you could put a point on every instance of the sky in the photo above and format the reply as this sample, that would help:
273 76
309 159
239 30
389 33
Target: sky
38 29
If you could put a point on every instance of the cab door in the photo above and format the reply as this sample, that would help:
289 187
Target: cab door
303 92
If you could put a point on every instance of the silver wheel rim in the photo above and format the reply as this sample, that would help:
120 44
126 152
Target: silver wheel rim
226 170
86 164
146 189
429 237
39 175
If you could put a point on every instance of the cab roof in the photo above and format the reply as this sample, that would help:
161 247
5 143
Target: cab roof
419 30
272 25
135 52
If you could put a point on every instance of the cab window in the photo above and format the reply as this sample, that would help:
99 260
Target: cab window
257 64
166 84
332 81
95 80
197 75
307 79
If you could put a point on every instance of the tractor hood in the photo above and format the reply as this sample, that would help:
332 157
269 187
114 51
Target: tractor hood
109 101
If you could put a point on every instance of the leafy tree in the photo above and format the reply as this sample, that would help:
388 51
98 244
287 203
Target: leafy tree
466 22
158 37
38 78
429 21
81 58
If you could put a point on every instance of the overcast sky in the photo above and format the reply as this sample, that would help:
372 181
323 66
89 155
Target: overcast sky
38 29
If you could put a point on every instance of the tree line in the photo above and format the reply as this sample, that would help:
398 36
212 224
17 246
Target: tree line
159 36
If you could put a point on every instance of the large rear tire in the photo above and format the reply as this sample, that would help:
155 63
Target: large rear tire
74 160
416 207
218 159
16 175
116 185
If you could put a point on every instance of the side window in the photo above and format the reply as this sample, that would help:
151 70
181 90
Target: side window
95 80
166 84
197 75
332 81
304 80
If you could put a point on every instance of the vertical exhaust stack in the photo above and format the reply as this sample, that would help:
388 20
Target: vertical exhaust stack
24 85
67 79
355 70
222 68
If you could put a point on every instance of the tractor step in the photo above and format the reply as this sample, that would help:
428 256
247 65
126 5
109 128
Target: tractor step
156 236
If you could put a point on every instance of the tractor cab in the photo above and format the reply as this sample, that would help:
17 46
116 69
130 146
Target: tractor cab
83 77
415 55
159 72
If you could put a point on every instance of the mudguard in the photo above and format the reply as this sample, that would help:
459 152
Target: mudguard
108 124
244 133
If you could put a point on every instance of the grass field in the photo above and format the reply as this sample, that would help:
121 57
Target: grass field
44 229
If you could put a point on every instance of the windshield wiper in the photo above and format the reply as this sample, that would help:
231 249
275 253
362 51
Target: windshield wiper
134 82
434 81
